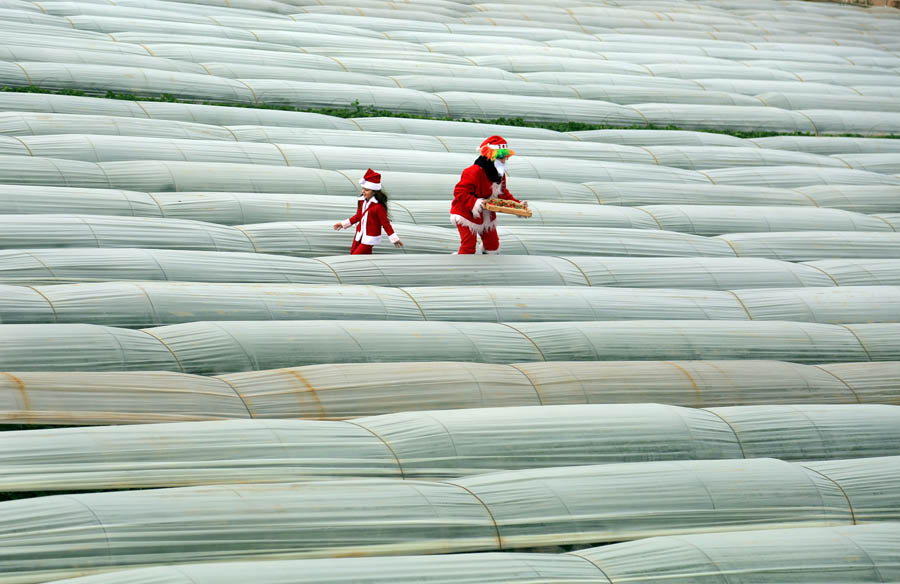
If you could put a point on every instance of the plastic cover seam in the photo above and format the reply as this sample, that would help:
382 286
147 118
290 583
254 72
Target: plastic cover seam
823 271
587 280
741 302
164 344
49 303
236 393
99 523
858 340
733 431
530 340
486 508
842 380
534 385
383 441
149 301
424 316
40 261
333 271
840 488
652 216
591 562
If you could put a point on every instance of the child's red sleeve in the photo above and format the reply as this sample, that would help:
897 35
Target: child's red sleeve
386 224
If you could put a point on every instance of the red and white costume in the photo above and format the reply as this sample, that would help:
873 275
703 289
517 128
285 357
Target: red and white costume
370 218
466 211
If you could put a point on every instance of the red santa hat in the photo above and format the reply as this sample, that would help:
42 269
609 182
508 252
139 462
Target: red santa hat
495 147
371 180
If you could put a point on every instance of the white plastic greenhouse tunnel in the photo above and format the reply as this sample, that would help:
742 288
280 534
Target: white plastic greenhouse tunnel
340 391
436 444
580 505
821 555
683 366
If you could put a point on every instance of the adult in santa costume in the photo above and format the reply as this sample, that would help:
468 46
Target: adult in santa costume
485 179
371 216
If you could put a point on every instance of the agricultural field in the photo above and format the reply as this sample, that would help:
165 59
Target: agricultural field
681 365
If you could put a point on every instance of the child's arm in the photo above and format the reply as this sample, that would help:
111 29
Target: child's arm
347 222
388 228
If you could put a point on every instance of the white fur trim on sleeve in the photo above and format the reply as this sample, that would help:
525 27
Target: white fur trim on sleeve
394 238
476 209
346 223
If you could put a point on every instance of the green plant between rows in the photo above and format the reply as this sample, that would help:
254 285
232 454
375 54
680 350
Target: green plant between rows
355 110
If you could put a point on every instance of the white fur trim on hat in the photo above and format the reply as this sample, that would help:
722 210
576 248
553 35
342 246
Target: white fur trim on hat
369 185
497 146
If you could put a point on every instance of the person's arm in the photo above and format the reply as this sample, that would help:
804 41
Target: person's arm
388 228
348 222
508 195
465 192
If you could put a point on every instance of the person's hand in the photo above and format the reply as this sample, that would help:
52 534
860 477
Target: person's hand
338 226
398 243
476 210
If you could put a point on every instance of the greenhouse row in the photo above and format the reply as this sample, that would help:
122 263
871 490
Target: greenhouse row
318 238
246 208
44 130
742 207
684 367
513 510
811 555
215 347
85 265
534 88
33 115
316 149
336 173
348 390
147 304
436 444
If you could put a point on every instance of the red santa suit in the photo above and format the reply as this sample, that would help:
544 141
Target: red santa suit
466 211
371 217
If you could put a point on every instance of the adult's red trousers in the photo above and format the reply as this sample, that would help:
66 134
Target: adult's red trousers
468 240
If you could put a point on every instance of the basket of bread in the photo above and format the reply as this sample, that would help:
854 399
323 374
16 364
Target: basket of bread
507 206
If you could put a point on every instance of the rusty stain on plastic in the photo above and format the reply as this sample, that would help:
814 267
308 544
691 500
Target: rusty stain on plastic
312 391
20 385
691 379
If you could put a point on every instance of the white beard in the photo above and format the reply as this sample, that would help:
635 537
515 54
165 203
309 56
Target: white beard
500 166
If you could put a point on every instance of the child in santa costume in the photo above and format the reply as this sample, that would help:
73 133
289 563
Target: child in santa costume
371 216
485 179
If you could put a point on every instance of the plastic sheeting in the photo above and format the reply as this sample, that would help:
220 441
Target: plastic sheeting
825 555
635 272
211 347
339 391
802 246
852 272
153 303
318 238
75 265
436 444
832 555
720 219
506 510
